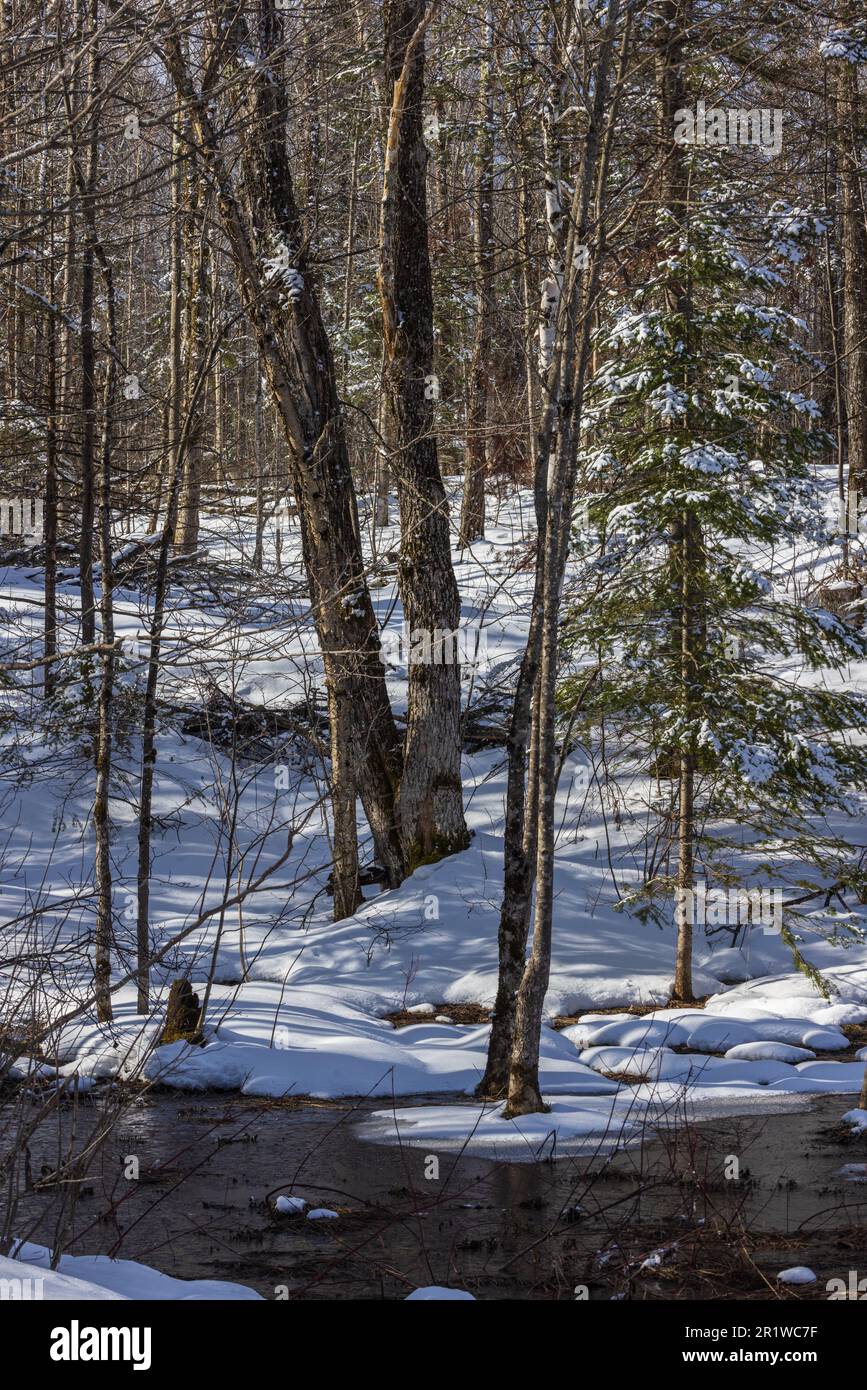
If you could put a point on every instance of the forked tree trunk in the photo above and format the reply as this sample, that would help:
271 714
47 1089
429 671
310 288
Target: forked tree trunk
267 247
564 390
522 787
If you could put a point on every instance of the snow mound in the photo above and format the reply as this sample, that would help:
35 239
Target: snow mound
857 1119
704 1032
637 1032
766 1026
831 1077
798 1274
653 1062
854 1172
437 1292
770 1052
290 1206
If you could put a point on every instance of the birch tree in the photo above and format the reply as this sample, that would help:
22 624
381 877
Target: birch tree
523 983
472 525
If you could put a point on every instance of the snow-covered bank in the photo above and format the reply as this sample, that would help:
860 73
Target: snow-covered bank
96 1277
590 1126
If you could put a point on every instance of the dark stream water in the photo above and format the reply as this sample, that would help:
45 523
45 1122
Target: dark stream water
209 1168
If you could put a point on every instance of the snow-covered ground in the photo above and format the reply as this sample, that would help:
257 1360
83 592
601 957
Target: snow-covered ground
298 1003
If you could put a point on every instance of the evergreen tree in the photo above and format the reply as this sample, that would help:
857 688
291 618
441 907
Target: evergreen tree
699 415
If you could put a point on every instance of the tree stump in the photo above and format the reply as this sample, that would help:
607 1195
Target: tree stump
182 1015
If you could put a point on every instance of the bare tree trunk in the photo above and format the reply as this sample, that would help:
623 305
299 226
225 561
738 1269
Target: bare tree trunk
102 828
350 251
196 263
344 790
672 19
831 348
51 457
87 453
259 456
518 863
850 159
217 384
312 161
148 761
530 365
172 414
682 992
430 799
522 786
67 452
382 481
472 525
565 390
555 216
149 712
